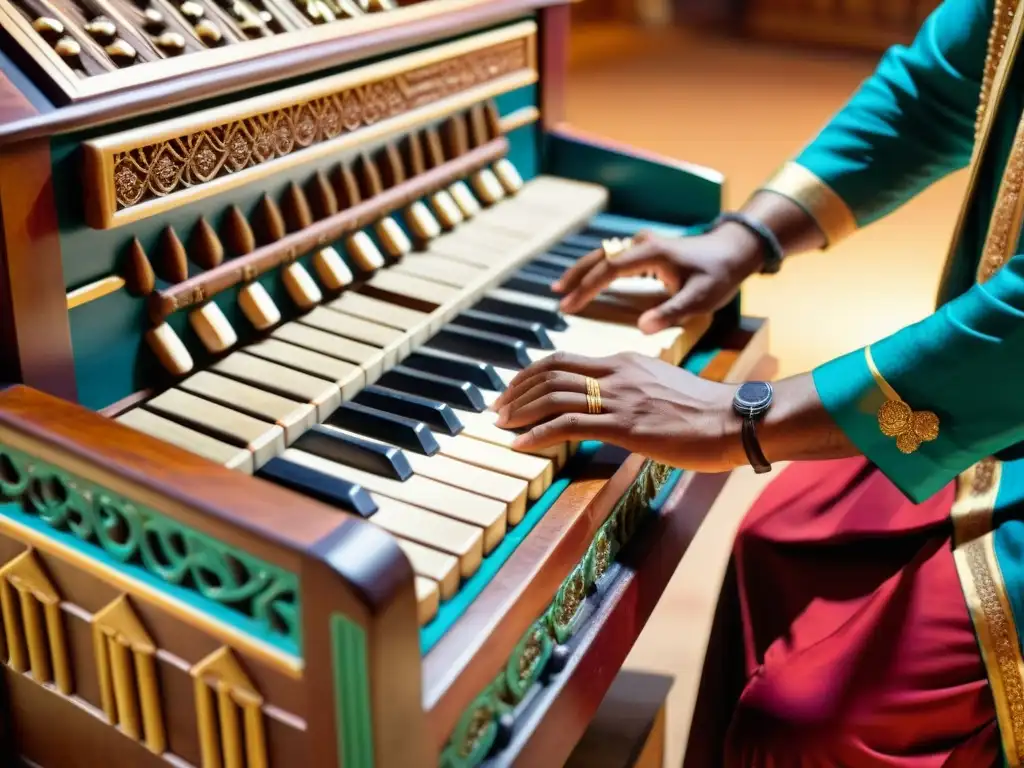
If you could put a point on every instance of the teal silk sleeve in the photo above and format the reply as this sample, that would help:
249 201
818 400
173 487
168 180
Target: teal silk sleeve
912 121
965 363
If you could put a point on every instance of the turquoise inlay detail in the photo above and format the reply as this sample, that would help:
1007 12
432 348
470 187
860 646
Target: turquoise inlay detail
257 597
450 611
351 693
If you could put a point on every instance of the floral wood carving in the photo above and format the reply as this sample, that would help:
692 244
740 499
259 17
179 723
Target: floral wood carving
166 167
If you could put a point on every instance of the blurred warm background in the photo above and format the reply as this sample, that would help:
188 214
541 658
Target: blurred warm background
739 86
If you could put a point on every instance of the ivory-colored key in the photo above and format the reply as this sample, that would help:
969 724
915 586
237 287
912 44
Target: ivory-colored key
434 564
263 439
537 471
324 395
195 442
510 491
428 599
408 291
393 237
448 213
421 221
508 175
364 252
480 254
414 324
392 341
464 199
169 349
257 306
431 530
482 427
212 327
301 287
347 377
386 313
438 269
370 359
466 507
331 269
487 187
293 417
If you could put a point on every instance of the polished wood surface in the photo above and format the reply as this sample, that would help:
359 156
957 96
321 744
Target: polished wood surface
35 340
13 104
157 97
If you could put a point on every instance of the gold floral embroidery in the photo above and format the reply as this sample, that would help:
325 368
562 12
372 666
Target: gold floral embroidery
899 420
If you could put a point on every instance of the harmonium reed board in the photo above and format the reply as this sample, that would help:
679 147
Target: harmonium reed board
265 265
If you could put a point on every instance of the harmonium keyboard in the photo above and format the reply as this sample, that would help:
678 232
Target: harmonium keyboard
264 264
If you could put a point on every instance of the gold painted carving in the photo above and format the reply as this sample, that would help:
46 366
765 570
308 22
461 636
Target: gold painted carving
33 627
157 170
126 664
138 172
229 712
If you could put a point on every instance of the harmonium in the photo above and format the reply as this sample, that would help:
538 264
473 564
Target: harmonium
264 266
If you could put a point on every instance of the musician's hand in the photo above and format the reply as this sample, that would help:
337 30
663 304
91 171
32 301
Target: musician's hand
701 273
648 407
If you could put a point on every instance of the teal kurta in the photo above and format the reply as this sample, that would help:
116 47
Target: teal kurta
910 124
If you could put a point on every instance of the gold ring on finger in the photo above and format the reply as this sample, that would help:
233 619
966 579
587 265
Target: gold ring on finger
616 246
593 396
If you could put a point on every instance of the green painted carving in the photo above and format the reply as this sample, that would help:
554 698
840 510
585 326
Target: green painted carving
351 693
474 735
477 729
130 534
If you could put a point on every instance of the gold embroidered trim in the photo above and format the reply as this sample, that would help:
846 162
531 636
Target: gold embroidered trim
828 209
1002 18
985 593
897 419
1005 223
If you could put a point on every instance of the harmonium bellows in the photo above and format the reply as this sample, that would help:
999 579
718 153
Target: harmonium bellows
265 265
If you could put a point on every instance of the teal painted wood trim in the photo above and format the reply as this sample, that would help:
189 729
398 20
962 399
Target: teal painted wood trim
351 693
254 596
644 186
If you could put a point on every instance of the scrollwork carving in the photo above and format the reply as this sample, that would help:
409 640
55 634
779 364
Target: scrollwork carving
166 167
475 734
134 535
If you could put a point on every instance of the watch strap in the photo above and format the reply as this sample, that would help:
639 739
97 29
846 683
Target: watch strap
752 447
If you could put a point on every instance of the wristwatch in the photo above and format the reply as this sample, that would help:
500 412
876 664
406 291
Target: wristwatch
751 402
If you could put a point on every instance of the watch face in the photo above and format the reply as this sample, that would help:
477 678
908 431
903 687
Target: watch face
753 398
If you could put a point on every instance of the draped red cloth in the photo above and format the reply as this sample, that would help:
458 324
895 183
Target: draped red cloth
854 637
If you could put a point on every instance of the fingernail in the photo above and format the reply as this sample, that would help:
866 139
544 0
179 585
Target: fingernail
557 286
502 415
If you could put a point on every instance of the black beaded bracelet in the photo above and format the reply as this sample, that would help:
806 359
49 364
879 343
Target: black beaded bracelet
772 246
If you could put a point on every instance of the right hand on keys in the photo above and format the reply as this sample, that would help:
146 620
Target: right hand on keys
701 273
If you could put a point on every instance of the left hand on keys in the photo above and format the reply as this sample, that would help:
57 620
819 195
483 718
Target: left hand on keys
646 406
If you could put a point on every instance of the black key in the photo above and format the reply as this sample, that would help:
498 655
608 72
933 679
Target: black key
406 433
353 451
435 414
533 334
499 303
481 345
585 242
565 252
530 282
555 262
455 366
458 394
318 485
549 274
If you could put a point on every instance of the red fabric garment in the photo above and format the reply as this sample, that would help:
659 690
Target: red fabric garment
859 649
